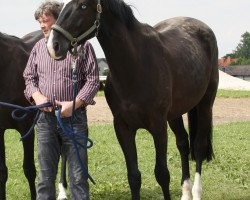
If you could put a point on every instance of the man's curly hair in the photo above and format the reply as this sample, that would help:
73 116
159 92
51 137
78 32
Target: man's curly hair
49 8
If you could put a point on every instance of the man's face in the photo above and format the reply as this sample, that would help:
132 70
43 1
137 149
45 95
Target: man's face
46 21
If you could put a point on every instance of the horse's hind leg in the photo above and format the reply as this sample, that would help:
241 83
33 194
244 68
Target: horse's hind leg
62 182
182 143
3 168
126 139
159 133
201 143
29 164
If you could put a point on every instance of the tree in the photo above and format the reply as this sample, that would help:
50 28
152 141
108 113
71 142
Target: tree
243 48
242 51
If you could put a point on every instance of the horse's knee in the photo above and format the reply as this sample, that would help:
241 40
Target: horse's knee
183 147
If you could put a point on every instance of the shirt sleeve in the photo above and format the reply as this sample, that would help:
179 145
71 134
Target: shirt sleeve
31 77
91 86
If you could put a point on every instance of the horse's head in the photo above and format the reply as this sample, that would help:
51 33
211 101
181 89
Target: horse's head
77 22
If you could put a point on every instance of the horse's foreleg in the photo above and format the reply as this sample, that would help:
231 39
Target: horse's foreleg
182 143
126 139
63 182
3 167
29 164
161 171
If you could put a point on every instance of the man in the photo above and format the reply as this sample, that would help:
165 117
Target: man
48 80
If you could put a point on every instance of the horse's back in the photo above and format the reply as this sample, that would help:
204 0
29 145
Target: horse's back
188 31
31 38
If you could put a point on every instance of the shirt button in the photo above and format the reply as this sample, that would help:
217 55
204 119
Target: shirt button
54 83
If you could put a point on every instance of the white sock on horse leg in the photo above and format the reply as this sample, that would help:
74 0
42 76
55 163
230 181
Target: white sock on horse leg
186 190
197 189
62 192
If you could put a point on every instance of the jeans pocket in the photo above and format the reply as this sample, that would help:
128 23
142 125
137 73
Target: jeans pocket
80 117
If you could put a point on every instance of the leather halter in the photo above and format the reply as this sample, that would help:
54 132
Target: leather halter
74 40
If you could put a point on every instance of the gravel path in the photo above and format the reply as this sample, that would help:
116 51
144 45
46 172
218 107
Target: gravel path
226 110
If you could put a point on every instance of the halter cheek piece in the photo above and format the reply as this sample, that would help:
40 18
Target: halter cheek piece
74 40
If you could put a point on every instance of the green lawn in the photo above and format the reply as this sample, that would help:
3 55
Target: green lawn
226 177
233 93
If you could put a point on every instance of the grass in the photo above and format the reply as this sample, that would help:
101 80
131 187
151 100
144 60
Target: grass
226 177
233 93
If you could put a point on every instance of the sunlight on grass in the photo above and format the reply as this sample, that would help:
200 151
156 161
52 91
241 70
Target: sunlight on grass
233 93
226 177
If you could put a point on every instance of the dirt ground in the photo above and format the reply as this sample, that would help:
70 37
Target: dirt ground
226 110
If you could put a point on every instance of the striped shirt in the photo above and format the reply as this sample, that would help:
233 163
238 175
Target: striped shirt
54 78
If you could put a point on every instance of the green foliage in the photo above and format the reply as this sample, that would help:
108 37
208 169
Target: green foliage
233 93
243 48
241 61
231 55
242 51
226 177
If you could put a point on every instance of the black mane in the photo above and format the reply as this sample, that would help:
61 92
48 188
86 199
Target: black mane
121 10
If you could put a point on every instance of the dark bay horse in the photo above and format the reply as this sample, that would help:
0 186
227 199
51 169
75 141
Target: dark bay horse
14 54
156 75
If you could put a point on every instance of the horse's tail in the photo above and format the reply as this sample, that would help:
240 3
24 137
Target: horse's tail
205 151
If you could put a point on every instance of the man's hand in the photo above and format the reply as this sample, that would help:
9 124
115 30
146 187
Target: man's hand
41 99
67 106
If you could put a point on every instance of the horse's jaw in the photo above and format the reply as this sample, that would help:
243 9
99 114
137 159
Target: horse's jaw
51 49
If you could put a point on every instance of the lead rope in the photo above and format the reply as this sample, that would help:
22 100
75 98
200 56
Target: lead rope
69 130
26 111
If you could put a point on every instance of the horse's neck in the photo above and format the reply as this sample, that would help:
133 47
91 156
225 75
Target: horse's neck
119 47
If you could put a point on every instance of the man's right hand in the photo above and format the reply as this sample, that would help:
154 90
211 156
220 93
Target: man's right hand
41 99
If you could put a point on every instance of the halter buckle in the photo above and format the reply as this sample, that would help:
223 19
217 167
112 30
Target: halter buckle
99 8
74 42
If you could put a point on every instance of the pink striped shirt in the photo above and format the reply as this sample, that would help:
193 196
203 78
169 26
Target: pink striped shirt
54 78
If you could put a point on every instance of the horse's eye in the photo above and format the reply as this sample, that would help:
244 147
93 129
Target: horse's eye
84 6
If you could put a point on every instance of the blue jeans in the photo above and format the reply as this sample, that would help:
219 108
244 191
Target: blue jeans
51 143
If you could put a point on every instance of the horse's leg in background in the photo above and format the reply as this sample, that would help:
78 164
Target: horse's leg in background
126 139
62 187
201 143
3 167
29 164
159 133
182 143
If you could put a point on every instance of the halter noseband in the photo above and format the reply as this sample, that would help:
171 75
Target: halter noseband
74 40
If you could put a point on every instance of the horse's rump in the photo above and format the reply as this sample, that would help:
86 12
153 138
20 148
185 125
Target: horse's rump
192 60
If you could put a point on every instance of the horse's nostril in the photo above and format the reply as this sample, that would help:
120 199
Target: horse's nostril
56 46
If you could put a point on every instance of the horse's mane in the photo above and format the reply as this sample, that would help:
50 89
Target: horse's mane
121 10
